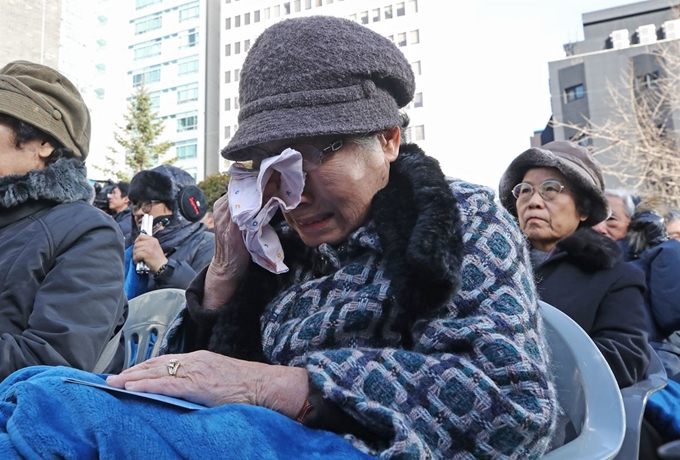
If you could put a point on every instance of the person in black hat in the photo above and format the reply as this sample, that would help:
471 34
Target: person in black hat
179 246
61 260
557 194
404 324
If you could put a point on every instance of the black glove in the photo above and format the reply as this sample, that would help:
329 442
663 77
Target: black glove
652 225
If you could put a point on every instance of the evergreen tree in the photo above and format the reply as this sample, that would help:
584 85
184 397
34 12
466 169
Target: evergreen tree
213 187
139 135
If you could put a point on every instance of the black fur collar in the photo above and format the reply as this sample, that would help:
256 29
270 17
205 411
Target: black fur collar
64 181
418 222
589 250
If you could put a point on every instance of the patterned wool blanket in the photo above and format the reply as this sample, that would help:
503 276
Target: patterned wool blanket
42 416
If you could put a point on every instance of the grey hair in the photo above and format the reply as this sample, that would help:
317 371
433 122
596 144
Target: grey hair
672 215
626 196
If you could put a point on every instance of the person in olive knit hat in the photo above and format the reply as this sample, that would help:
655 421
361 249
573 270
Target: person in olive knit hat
61 259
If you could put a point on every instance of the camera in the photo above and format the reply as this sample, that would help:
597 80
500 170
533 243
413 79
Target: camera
102 188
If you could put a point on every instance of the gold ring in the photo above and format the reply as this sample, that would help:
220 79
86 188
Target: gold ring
172 366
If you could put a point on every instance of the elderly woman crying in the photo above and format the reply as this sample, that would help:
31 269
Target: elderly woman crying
556 193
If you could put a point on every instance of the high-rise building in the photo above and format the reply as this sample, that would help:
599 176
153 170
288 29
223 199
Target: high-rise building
616 41
168 52
74 37
242 21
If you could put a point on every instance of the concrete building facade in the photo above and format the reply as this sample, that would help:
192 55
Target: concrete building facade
617 41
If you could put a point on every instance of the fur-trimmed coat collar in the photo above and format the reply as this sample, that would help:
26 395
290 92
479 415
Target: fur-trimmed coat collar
418 224
588 250
64 181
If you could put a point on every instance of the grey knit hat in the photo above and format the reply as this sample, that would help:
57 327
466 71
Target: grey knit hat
44 98
579 167
319 75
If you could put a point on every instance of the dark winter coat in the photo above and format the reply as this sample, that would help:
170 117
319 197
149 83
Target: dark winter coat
586 278
124 219
661 265
61 271
420 332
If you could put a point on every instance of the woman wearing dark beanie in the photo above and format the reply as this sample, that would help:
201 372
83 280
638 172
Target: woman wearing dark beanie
404 322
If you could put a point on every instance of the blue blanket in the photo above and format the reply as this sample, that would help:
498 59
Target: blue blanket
41 416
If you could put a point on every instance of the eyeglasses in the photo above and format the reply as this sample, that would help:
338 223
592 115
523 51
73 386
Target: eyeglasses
312 156
144 206
548 190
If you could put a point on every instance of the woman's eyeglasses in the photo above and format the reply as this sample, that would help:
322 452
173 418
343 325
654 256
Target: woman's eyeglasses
548 190
312 156
144 206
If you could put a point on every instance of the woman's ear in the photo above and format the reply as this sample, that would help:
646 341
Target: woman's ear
390 139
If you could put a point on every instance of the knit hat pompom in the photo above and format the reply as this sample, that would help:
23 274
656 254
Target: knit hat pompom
319 75
575 162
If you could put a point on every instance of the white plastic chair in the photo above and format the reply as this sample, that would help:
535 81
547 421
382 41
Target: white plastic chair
634 401
586 390
149 315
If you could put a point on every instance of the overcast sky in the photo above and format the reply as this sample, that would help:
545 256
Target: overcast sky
489 76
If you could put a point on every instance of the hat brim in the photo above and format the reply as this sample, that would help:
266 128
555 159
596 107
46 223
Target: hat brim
539 158
374 113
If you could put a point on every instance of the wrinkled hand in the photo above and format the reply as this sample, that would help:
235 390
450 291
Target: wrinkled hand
230 261
212 380
148 249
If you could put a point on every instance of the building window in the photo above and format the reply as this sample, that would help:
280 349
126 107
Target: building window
277 11
246 46
419 132
364 17
237 48
387 11
189 13
187 67
308 4
236 102
418 100
412 6
318 2
227 76
401 39
416 67
573 93
154 100
144 3
353 17
415 37
237 73
227 23
376 15
400 9
187 93
227 104
148 23
227 49
237 21
187 123
390 38
296 6
187 149
256 16
286 8
266 13
147 76
147 49
647 80
188 40
227 132
246 19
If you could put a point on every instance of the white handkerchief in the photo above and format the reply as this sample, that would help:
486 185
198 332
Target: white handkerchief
252 217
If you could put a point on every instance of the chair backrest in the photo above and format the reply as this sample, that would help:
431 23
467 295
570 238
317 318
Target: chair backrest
634 401
149 316
586 390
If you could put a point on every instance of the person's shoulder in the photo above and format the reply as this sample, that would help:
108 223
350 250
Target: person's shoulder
78 215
